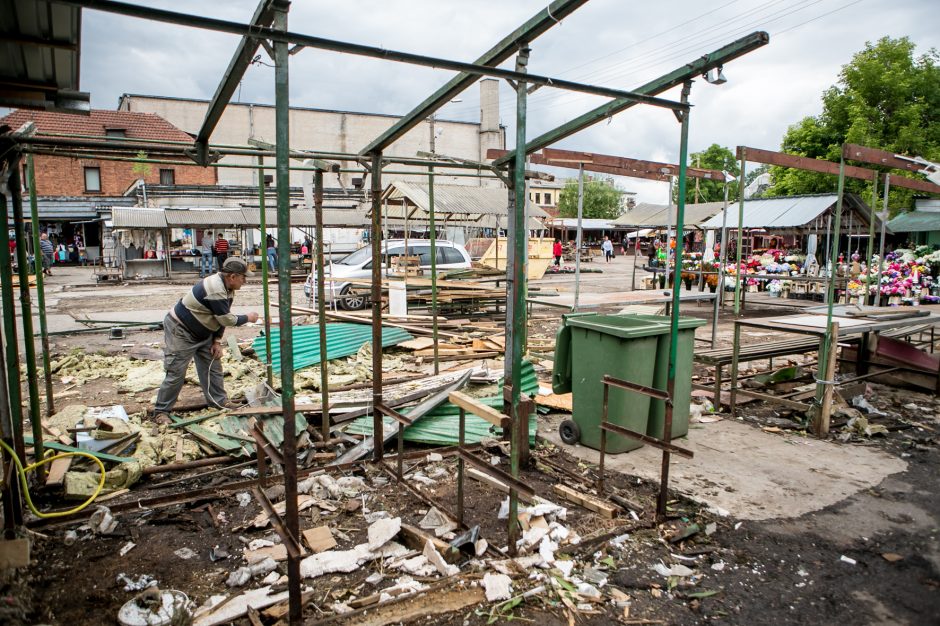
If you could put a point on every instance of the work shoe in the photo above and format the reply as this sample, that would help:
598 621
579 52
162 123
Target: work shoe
161 417
231 405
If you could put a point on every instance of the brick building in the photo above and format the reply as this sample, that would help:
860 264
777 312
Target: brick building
65 176
76 194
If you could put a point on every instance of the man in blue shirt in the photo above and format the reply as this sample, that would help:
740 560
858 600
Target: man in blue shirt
193 330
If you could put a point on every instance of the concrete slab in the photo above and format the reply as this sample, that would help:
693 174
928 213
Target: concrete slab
753 474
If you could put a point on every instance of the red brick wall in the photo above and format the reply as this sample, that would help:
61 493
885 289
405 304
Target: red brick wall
64 176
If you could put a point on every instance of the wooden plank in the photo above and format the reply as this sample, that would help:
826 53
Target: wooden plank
825 412
589 502
57 470
319 539
766 397
472 405
415 538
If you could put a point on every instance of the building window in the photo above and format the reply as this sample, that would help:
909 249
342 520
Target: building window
92 179
115 132
167 177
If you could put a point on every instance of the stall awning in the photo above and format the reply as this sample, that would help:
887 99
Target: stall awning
793 212
661 215
451 202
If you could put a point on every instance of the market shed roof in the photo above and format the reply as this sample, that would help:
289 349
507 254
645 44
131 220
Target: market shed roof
661 215
794 212
465 202
915 222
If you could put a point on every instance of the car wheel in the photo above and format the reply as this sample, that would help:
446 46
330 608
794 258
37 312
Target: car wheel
351 302
569 432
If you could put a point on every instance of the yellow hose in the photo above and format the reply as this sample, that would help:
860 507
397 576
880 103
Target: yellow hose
23 471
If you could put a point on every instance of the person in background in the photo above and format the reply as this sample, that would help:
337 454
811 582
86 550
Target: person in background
608 249
221 250
556 252
193 330
206 249
271 246
48 253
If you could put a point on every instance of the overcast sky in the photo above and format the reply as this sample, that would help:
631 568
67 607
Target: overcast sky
615 43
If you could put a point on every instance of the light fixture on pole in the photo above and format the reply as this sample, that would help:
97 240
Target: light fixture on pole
715 76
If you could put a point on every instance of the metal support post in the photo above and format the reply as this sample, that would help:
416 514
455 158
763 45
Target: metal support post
737 267
517 249
321 307
722 250
460 464
433 227
14 386
282 174
881 247
26 309
577 245
377 425
262 246
826 352
40 287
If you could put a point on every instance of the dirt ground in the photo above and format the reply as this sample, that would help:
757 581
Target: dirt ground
873 557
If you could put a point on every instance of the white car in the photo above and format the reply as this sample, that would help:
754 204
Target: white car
358 266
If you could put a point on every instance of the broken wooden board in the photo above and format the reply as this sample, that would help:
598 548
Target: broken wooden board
539 257
472 405
417 605
587 501
419 343
57 471
278 552
319 539
415 538
558 401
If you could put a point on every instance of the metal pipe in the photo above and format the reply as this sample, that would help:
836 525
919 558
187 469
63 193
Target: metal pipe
286 37
14 385
515 301
26 310
881 249
289 448
433 227
378 427
721 273
871 239
737 267
40 288
577 245
265 296
321 307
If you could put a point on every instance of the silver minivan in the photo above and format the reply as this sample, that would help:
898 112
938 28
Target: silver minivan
358 266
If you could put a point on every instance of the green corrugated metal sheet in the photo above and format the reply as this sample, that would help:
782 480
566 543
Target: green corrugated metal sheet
440 426
342 339
915 222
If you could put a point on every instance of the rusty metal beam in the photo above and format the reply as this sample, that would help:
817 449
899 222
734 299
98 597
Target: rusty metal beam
808 164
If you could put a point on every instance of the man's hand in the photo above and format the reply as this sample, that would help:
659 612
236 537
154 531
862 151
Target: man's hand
252 317
216 350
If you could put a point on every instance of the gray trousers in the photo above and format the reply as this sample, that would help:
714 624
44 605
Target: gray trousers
180 347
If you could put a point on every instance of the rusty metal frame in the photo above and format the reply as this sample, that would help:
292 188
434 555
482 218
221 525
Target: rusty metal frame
663 444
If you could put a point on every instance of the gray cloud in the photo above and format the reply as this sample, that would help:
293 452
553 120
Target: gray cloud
610 42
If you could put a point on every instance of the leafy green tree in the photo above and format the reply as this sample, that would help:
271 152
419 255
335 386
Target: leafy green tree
141 167
601 199
885 98
714 157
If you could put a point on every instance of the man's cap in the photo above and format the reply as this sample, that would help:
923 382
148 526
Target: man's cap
235 265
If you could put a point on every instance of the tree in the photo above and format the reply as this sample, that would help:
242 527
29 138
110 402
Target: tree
601 199
141 167
886 98
714 157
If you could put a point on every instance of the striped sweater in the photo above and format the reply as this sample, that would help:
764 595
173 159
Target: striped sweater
207 309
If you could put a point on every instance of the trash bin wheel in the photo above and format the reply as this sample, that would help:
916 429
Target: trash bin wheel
570 432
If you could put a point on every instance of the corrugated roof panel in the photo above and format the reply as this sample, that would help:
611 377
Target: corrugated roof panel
136 217
661 215
184 218
342 339
783 212
453 200
915 222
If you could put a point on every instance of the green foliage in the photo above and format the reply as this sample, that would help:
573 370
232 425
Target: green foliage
140 168
601 199
885 98
714 157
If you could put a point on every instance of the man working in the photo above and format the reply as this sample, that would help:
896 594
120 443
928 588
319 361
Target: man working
221 250
193 329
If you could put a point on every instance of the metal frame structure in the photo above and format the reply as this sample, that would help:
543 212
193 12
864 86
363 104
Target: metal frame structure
268 28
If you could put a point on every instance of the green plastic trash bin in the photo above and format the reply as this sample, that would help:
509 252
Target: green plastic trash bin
588 346
683 386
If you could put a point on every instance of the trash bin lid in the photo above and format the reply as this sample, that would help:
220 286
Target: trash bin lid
685 323
623 326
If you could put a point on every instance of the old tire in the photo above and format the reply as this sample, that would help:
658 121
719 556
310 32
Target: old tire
570 432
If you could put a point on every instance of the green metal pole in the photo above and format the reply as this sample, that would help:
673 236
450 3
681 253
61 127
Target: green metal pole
830 289
9 331
40 287
871 238
321 306
515 302
289 449
433 227
262 246
26 308
737 269
680 223
378 429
